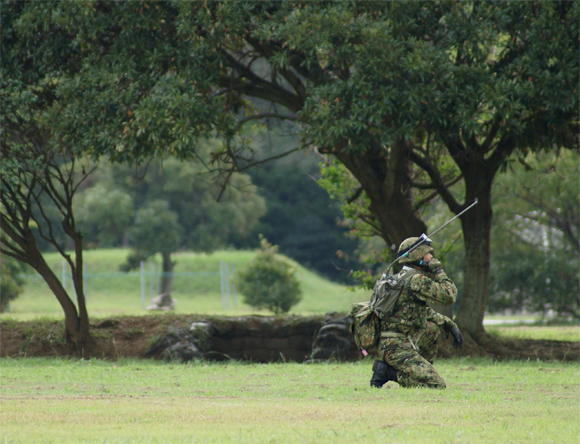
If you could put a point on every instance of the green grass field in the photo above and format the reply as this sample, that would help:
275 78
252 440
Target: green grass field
61 401
552 333
197 287
143 401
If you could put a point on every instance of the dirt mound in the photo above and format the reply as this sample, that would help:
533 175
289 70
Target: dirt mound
520 349
113 338
131 337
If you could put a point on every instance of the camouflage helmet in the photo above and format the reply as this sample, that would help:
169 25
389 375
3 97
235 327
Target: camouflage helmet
417 253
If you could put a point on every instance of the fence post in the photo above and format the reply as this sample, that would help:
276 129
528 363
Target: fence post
158 273
222 284
150 281
227 287
234 286
143 285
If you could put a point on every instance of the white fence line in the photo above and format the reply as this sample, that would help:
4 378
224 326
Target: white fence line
226 273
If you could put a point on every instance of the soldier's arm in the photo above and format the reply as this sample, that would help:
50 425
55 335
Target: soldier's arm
441 320
440 290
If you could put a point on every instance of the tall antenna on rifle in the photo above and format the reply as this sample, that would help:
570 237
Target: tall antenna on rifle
424 238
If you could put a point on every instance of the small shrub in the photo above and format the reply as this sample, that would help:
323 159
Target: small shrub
269 282
11 283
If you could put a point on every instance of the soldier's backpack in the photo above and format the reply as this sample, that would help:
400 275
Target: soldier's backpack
367 316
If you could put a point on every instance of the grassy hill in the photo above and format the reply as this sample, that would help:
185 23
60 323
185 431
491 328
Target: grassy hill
197 287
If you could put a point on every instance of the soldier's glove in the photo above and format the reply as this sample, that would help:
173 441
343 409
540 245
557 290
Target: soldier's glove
435 266
457 337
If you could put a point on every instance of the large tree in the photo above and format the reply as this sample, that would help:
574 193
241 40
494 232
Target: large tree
43 167
388 89
39 175
35 180
176 208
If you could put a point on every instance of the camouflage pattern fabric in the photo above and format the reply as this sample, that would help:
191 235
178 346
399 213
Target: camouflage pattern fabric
416 254
411 311
413 356
415 366
365 326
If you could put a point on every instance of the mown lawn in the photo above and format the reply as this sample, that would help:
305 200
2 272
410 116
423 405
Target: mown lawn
568 333
72 401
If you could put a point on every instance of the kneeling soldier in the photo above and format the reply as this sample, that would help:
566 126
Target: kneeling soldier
408 344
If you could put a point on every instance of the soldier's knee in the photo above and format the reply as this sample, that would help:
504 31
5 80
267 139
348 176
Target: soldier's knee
439 385
437 382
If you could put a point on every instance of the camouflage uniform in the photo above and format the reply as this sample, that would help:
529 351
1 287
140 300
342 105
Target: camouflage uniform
409 337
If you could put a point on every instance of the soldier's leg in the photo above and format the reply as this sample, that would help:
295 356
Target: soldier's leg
426 341
413 370
416 371
382 373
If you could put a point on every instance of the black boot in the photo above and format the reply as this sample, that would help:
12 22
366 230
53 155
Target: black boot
382 373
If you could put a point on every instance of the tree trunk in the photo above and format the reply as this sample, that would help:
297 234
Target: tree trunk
384 180
476 225
76 327
167 275
397 218
78 283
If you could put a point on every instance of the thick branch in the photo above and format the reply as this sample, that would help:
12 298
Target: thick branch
505 147
13 216
442 189
268 50
268 159
355 195
9 229
436 193
486 145
10 250
243 121
457 151
258 87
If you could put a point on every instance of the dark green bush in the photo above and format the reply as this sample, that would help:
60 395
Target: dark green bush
10 281
269 282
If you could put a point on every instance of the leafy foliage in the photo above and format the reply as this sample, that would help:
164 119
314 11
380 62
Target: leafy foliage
302 220
156 228
104 214
536 281
377 85
11 283
175 208
269 282
190 195
535 259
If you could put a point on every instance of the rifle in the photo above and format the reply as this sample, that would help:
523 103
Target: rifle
425 239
